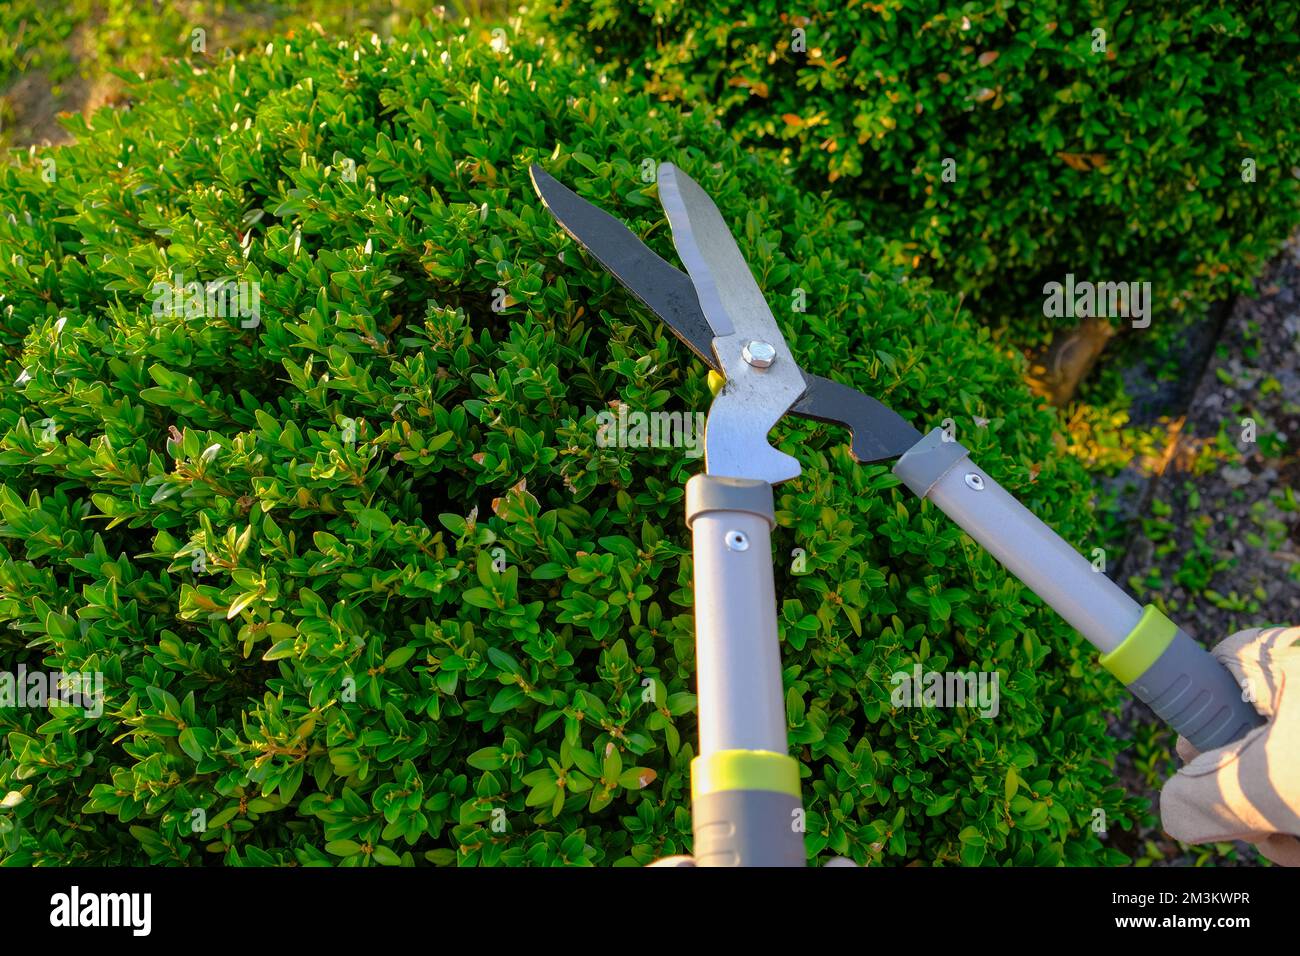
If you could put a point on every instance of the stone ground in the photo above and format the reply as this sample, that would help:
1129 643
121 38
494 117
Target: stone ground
1218 530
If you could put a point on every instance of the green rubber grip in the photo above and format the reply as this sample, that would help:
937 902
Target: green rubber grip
748 828
1182 682
746 809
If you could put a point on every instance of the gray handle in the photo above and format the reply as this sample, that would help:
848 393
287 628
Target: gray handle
745 803
747 828
1189 689
1181 681
737 656
1092 604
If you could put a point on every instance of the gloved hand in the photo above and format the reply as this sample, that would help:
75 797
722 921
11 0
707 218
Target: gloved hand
1250 789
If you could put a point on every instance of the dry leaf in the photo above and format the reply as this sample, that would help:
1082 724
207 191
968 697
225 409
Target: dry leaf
1074 161
519 488
757 87
1083 162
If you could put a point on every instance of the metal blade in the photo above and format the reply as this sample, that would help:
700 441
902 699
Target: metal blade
879 433
662 288
756 394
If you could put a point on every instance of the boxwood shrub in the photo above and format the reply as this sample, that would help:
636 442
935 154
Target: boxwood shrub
360 581
1110 141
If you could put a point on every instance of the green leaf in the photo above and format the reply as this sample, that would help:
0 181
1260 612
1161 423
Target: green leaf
972 854
508 698
241 602
372 519
480 598
488 758
280 650
541 794
398 658
1035 817
385 857
453 523
190 743
941 805
612 767
636 778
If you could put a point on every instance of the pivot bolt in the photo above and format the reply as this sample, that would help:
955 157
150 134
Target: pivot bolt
759 354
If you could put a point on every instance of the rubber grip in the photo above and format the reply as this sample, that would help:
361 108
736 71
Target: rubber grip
748 828
1196 695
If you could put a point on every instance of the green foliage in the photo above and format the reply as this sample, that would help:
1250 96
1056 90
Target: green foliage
361 583
1123 165
62 57
93 36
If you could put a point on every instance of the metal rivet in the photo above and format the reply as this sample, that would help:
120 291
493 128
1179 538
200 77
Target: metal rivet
737 541
759 354
974 481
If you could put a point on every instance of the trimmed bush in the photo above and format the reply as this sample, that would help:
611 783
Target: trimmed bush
1083 139
362 586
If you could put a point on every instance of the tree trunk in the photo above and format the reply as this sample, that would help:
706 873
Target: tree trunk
1056 371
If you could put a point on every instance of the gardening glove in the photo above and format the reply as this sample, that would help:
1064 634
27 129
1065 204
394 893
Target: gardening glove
1250 789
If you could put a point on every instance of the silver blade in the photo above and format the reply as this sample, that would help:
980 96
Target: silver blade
753 398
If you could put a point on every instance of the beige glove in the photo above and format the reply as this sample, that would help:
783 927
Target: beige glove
1250 789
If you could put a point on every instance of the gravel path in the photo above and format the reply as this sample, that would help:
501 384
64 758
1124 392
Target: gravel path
1219 539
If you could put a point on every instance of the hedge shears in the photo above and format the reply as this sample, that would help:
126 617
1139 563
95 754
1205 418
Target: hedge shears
745 795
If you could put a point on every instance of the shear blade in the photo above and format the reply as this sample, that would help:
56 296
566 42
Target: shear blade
878 432
755 396
663 289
